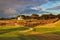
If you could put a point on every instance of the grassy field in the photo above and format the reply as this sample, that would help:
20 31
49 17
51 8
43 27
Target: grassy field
37 33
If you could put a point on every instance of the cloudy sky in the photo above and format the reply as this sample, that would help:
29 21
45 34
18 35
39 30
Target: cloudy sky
9 8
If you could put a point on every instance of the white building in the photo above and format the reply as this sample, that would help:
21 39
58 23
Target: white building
21 17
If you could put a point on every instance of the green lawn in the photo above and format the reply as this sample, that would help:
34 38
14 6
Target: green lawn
56 28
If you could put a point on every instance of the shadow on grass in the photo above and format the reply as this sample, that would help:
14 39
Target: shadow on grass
57 32
2 31
32 37
39 37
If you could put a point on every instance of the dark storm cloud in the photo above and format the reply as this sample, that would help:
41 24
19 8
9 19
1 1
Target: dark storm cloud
20 3
12 5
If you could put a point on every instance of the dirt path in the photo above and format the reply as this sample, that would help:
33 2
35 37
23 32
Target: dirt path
30 29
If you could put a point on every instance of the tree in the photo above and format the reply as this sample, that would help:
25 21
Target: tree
44 16
34 16
51 16
27 17
48 16
58 16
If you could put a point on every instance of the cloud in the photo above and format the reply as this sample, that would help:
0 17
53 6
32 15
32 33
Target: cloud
55 6
14 3
35 8
10 11
7 12
19 3
9 7
39 2
54 0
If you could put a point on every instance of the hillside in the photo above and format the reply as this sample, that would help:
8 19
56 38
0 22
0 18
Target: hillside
46 27
29 21
44 32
